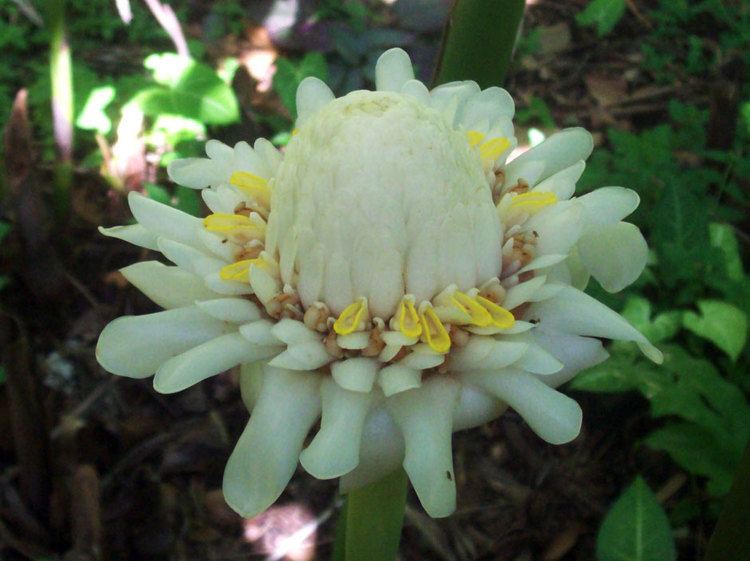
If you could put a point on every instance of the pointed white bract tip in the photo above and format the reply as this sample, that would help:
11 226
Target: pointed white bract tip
393 70
651 352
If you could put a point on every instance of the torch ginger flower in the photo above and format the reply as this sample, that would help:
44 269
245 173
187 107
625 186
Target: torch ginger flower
390 274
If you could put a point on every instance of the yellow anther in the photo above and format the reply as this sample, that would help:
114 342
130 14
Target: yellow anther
533 201
240 271
225 223
474 137
479 315
501 317
491 150
294 132
434 332
253 186
408 319
351 318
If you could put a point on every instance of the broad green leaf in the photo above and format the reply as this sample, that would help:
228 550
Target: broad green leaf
92 116
621 373
663 327
158 193
697 450
721 323
4 229
189 89
724 238
636 528
604 14
187 200
374 515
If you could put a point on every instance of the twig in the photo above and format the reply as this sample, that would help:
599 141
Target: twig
166 17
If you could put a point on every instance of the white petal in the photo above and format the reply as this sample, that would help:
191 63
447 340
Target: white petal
393 70
563 183
270 154
354 341
615 254
266 454
559 227
417 90
293 331
543 261
382 451
355 374
312 94
335 449
608 205
575 352
523 292
136 346
487 106
251 381
135 234
577 313
233 310
188 258
553 416
196 173
229 288
475 407
168 287
425 416
422 358
398 378
538 361
217 150
260 332
303 356
206 360
559 151
487 353
165 220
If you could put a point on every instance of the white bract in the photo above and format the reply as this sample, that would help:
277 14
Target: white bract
390 275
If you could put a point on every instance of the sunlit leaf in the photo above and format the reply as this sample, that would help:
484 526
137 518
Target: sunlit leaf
93 115
604 14
636 528
721 323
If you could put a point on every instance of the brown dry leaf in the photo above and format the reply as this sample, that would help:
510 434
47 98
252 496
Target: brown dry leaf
553 38
607 90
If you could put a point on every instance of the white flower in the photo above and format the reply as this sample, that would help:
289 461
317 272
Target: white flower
390 274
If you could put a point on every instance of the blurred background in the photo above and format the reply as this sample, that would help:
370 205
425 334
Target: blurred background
97 97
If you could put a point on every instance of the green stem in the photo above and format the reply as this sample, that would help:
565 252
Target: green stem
731 539
369 528
61 74
478 41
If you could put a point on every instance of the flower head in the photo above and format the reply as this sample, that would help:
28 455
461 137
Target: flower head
390 274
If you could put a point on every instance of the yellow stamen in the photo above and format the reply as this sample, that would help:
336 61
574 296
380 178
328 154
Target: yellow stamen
479 315
294 132
533 201
240 271
474 138
434 332
225 223
491 150
253 186
351 318
501 317
408 320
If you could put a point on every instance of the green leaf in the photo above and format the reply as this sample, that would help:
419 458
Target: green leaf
636 528
621 373
187 200
721 323
92 116
4 229
637 311
289 75
723 238
189 89
158 193
374 516
697 451
604 14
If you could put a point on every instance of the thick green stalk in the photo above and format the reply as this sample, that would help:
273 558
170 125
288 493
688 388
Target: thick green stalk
369 528
61 74
731 539
478 41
